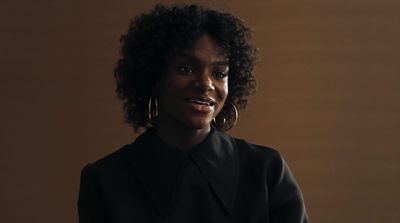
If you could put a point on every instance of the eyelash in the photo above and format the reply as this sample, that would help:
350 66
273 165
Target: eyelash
187 69
219 74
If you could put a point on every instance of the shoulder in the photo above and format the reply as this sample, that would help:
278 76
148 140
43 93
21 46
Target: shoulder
111 163
114 157
270 164
119 161
266 161
256 152
285 199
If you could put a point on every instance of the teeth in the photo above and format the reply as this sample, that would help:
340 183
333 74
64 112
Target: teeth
200 102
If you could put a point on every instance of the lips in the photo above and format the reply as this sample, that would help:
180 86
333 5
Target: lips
201 104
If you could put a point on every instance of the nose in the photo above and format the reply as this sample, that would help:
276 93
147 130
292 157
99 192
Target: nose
204 81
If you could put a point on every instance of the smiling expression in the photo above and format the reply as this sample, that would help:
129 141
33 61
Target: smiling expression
194 87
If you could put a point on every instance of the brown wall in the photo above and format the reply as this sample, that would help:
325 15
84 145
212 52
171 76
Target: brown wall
328 99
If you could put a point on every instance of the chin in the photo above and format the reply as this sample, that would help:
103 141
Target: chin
198 124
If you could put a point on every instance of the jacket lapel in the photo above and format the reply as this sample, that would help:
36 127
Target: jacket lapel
158 168
217 160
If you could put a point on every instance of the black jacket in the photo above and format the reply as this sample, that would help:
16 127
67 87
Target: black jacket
223 179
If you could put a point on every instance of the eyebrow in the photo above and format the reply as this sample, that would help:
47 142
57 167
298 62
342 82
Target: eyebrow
195 60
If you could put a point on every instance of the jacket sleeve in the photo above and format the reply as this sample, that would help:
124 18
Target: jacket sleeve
285 198
90 203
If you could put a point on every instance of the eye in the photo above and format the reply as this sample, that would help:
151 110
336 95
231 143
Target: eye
186 69
219 74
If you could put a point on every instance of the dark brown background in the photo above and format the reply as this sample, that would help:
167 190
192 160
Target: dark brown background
328 99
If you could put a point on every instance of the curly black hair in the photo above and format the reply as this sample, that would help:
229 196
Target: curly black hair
151 37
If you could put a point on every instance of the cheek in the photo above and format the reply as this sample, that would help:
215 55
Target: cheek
169 83
222 95
226 87
224 90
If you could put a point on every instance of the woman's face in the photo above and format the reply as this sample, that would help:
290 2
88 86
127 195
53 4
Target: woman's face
194 87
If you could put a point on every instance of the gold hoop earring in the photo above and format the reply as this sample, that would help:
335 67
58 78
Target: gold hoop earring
225 120
152 110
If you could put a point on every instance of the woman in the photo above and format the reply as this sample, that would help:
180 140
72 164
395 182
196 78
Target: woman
183 74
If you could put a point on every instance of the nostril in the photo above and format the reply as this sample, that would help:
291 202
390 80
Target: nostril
204 83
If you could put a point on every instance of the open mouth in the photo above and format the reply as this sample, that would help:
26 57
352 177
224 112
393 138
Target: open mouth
201 104
201 100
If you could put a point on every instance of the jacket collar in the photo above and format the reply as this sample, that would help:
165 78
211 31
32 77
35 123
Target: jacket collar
159 167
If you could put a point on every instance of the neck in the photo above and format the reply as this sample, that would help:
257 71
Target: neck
180 136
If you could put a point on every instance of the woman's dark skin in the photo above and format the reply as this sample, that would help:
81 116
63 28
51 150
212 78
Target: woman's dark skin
193 78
